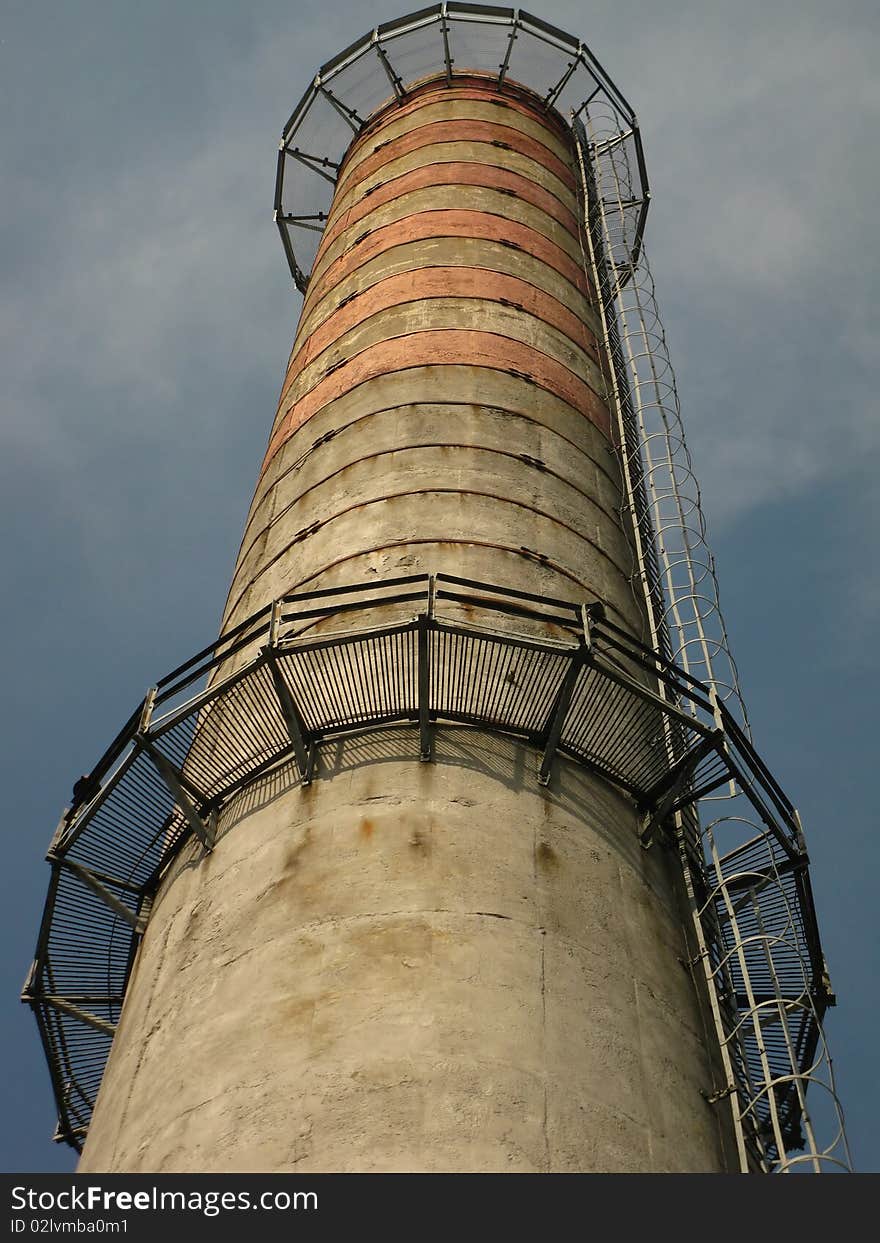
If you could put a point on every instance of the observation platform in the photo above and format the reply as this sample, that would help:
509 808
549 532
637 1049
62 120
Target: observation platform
418 653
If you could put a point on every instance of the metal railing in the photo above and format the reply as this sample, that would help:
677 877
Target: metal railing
505 46
399 655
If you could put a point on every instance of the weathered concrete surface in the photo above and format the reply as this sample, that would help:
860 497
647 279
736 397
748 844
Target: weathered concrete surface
413 967
434 966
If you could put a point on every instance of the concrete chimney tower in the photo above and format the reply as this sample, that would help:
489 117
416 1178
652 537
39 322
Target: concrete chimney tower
412 869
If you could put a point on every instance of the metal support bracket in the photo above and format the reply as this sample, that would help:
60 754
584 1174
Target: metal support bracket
348 114
315 163
556 722
586 627
274 623
304 754
147 710
432 595
555 92
305 222
393 77
668 789
715 701
204 829
424 672
510 41
84 1016
721 1095
444 29
61 828
100 890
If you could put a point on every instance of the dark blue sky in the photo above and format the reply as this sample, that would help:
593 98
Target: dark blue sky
146 315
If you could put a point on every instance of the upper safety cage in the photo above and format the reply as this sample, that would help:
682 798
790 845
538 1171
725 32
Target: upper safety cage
508 46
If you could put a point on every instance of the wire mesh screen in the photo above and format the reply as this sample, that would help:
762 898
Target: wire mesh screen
507 46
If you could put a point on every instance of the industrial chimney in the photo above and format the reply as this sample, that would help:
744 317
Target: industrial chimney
453 852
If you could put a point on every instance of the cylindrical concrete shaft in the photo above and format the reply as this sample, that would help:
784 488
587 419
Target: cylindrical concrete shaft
443 407
436 966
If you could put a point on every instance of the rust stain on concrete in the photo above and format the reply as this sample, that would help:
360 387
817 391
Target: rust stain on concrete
547 857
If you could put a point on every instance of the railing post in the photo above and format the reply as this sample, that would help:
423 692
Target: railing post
204 829
424 624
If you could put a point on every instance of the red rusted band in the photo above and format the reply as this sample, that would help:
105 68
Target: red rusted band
518 99
442 283
436 132
448 223
459 173
442 347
